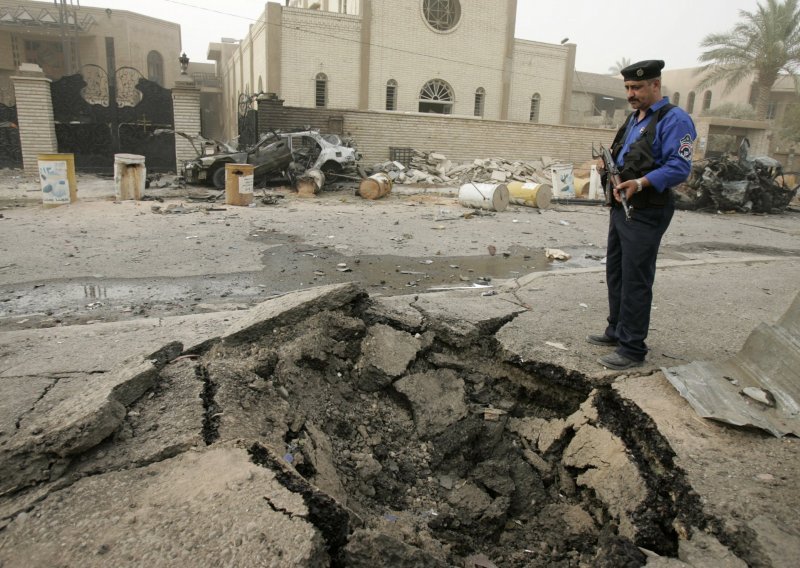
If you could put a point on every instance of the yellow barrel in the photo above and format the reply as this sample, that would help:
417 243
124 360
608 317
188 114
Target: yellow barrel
530 194
581 186
375 186
239 184
57 176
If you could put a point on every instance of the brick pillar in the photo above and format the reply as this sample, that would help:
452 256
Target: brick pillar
701 142
186 108
37 131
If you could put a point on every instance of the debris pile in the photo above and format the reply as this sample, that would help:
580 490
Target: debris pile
745 185
436 168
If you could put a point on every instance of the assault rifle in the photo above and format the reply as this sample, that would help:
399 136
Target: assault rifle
612 179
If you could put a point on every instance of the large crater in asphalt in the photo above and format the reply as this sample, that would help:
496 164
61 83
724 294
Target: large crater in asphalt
413 438
441 449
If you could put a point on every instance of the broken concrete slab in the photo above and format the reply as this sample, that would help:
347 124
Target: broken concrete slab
214 507
319 453
705 550
61 351
609 471
291 308
18 396
238 411
397 311
461 318
385 355
437 400
167 422
71 419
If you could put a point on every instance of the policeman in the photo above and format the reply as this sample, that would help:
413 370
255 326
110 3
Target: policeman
653 151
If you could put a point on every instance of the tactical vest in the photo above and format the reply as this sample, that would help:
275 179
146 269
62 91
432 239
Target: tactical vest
639 160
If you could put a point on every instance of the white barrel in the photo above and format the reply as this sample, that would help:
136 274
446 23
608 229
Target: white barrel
490 196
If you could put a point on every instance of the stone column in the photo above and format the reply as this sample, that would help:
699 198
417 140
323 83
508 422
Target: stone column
186 109
703 127
37 131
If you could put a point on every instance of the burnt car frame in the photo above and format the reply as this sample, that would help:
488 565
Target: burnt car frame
277 155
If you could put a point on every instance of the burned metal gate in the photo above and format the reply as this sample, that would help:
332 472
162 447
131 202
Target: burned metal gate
98 115
10 147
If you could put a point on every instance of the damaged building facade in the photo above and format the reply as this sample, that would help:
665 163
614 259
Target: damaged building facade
454 57
62 38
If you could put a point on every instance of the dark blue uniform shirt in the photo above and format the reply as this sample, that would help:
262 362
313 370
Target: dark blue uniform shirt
672 148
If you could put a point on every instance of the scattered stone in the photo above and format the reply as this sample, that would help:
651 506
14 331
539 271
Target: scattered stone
437 400
385 355
609 471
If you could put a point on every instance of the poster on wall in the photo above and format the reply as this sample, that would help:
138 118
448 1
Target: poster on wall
55 184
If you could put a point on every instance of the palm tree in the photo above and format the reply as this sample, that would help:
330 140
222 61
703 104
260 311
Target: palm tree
619 66
764 44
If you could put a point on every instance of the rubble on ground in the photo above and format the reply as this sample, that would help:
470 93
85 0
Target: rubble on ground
436 168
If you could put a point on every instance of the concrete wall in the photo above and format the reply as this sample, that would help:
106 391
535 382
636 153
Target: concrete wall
459 138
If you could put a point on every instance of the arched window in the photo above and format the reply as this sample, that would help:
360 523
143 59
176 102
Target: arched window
391 94
480 97
260 84
535 100
676 99
442 15
690 102
436 96
321 91
155 67
707 100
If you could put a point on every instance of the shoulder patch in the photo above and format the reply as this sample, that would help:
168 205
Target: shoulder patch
685 148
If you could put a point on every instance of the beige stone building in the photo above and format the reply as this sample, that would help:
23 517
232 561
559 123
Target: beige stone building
454 57
62 37
724 130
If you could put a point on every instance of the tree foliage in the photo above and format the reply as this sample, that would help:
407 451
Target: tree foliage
618 66
761 46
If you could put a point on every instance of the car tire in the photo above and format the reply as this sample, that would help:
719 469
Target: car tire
218 178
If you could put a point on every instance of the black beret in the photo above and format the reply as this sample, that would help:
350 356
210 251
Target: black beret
643 70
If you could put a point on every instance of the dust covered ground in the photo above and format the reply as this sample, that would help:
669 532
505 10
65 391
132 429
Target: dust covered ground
280 386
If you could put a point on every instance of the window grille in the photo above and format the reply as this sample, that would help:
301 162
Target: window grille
535 100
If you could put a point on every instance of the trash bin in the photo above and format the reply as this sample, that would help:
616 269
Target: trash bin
57 176
561 176
238 184
130 175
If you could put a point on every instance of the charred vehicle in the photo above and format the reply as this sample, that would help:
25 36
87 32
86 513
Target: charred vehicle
741 183
277 155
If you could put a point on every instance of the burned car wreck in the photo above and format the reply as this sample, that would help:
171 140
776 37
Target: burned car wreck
276 156
743 184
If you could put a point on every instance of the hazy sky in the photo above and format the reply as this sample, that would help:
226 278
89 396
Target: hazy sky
605 31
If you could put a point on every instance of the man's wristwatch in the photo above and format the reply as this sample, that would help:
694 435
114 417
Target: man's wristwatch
638 185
